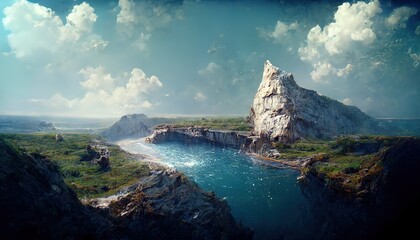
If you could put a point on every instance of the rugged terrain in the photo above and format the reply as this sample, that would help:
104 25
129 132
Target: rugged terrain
129 126
283 111
369 184
37 203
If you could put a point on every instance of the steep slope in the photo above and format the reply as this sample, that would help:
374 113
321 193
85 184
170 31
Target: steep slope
36 203
129 126
283 111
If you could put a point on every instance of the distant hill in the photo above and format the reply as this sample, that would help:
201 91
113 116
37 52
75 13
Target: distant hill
24 124
130 126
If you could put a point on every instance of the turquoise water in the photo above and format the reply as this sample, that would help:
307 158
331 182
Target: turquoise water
265 199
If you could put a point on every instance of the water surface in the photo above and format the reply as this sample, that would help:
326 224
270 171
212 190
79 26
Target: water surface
266 199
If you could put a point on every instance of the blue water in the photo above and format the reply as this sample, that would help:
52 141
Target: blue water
265 199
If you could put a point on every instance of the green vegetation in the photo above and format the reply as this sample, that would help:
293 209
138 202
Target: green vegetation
343 163
304 148
222 123
87 179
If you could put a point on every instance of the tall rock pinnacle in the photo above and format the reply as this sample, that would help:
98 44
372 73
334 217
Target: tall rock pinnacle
283 111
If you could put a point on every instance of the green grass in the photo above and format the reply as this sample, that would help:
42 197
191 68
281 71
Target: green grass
346 160
222 123
304 148
87 179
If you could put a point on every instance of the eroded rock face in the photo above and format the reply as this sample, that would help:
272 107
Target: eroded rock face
283 111
129 126
166 133
166 205
36 203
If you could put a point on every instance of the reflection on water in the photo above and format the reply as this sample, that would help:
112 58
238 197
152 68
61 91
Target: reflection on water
266 199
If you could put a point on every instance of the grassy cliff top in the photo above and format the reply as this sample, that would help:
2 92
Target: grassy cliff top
221 123
349 165
87 179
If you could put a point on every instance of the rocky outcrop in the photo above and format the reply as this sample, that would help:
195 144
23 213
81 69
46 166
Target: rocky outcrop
383 200
166 205
36 204
167 133
129 126
283 111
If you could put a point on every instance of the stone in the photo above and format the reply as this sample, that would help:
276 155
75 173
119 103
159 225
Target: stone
129 126
59 137
283 111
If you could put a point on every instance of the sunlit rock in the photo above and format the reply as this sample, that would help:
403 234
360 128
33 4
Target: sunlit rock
284 111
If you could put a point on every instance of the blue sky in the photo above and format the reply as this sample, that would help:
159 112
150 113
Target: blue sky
108 58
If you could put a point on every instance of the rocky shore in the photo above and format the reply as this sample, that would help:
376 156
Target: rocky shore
36 203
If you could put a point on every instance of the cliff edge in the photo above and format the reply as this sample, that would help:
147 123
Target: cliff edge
283 111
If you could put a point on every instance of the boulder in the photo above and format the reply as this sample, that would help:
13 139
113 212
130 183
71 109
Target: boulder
59 137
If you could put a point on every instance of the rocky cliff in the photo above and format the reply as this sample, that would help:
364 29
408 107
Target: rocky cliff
129 126
376 193
36 204
167 133
283 111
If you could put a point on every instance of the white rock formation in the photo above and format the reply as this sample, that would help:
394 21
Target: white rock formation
129 126
283 111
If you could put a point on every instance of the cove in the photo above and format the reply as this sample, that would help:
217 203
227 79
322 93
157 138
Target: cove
266 199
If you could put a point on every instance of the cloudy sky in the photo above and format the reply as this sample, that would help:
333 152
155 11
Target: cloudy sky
105 58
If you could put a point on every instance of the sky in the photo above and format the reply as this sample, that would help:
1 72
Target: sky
106 58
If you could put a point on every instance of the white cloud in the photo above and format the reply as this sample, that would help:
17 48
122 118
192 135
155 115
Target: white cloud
322 70
103 97
127 13
352 23
96 78
347 101
345 71
200 97
36 28
211 69
137 20
281 29
146 104
399 17
350 30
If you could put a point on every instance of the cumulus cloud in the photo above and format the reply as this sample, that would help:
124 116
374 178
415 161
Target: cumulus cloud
127 13
280 31
351 28
200 97
321 70
399 17
417 31
36 28
96 78
345 71
352 23
103 95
